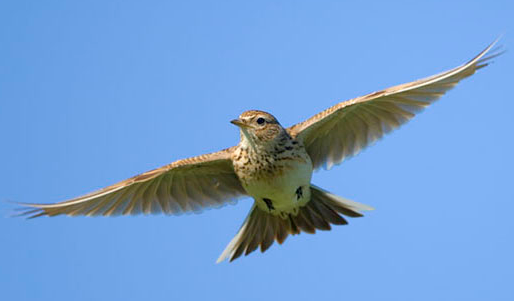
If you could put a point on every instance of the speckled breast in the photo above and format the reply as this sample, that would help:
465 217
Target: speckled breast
275 177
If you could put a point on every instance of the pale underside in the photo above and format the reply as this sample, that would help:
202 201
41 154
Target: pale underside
282 180
281 189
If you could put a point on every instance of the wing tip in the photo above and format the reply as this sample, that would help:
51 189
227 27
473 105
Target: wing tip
29 212
494 51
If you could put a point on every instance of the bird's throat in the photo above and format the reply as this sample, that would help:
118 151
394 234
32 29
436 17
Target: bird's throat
247 140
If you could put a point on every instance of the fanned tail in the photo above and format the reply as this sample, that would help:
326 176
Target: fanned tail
261 228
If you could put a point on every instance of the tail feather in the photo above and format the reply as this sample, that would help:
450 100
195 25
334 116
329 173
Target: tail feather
262 229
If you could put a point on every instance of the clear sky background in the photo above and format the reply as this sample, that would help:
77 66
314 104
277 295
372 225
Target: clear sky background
93 92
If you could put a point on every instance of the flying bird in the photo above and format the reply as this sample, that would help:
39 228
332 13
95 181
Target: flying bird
273 165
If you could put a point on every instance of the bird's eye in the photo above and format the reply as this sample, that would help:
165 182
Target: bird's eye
260 120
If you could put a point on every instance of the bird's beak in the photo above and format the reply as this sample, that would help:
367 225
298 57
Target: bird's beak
239 123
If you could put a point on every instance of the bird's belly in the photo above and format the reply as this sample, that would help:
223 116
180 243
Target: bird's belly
284 191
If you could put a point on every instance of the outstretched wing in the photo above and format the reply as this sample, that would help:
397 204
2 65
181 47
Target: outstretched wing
344 129
182 186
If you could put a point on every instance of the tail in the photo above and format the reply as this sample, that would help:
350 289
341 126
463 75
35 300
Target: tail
261 228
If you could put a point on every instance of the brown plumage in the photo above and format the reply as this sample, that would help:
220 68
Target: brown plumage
322 210
273 165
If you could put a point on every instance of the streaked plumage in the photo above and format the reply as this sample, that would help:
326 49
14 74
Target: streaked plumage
273 165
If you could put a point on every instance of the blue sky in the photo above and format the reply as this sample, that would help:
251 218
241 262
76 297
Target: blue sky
93 92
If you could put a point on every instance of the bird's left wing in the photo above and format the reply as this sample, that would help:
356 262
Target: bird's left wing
344 129
185 185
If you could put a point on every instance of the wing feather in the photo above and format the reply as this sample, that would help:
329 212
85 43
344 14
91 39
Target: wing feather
182 186
344 129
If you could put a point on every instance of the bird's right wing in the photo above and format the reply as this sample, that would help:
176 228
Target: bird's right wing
185 185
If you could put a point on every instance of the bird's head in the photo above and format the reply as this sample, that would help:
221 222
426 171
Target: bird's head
258 127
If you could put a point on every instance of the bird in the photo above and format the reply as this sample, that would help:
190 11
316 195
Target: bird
273 165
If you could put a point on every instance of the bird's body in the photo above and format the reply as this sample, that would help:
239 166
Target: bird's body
275 171
273 165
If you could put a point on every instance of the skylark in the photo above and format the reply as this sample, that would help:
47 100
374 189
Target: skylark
273 165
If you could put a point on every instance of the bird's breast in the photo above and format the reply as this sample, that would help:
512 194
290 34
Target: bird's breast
279 179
